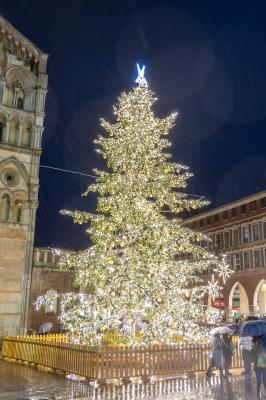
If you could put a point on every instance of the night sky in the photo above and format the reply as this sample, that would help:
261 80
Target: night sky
204 59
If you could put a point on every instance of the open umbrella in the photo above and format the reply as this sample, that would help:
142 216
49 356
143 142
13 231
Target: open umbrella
44 328
222 330
253 328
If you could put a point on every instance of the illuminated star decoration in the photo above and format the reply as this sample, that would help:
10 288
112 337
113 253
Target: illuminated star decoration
223 269
213 288
141 80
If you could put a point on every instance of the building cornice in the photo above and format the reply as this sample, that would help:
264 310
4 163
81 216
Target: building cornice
226 207
5 26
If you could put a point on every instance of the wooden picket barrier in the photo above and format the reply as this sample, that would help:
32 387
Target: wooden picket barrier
110 337
105 362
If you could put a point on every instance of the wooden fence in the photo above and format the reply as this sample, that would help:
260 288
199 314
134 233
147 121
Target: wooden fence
113 362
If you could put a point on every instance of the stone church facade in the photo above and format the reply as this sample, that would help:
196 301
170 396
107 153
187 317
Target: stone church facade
23 88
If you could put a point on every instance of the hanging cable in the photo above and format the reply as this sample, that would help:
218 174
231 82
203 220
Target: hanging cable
67 170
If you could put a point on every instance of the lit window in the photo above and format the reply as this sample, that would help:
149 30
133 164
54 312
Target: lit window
255 232
245 234
256 258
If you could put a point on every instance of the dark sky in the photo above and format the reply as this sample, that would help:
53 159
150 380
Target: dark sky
204 59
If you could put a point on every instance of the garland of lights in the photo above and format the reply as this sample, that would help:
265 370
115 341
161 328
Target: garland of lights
142 272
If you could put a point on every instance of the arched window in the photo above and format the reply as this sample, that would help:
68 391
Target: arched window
14 131
18 95
17 212
5 208
20 103
26 134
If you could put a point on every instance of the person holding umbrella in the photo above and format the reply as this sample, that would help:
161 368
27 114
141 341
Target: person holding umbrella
246 348
257 329
227 350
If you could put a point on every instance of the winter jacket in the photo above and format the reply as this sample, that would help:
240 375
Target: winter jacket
246 343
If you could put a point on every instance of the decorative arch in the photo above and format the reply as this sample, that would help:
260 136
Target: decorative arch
22 75
243 298
18 165
21 83
259 299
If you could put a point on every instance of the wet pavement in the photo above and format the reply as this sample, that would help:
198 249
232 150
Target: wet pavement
25 382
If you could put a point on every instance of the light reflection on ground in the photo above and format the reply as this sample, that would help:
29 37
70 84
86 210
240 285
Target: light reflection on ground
24 382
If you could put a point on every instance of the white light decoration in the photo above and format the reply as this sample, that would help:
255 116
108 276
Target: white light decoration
213 288
223 269
141 80
143 262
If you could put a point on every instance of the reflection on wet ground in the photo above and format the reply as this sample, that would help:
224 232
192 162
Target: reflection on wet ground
25 382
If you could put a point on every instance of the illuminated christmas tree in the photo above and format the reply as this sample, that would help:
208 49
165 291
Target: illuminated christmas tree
143 270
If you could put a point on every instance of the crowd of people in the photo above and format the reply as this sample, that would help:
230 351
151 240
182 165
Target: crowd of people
253 350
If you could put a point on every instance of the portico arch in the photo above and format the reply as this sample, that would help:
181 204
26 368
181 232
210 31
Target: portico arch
259 300
238 299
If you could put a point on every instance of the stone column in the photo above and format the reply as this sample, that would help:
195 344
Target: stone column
4 93
32 207
20 133
10 217
14 102
8 125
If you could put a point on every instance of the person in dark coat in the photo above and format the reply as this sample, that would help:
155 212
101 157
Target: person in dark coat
227 350
216 356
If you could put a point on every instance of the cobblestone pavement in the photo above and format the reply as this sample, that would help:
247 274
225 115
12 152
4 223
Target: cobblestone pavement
24 382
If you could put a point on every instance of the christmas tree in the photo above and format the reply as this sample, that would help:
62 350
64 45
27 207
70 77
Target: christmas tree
143 269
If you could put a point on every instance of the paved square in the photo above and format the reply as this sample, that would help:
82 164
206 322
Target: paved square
25 382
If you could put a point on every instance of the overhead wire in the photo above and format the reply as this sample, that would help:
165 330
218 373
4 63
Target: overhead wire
85 174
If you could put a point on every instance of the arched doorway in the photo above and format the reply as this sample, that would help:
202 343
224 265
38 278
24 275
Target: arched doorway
260 298
238 300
